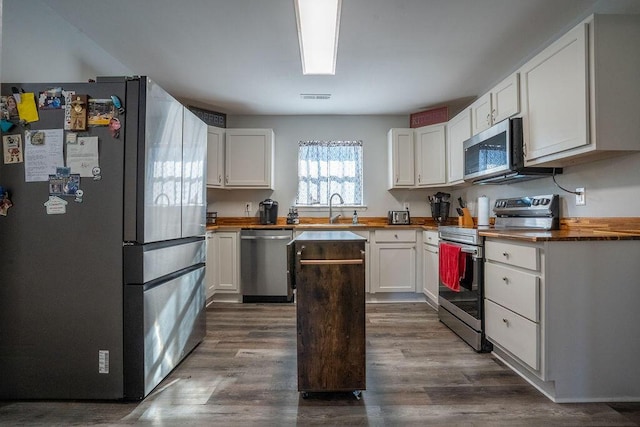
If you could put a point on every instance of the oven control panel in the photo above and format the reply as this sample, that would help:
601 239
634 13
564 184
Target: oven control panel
542 202
528 212
543 205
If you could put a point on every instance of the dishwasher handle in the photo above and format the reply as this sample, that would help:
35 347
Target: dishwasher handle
265 237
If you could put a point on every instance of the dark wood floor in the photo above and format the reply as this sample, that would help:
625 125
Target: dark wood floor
244 373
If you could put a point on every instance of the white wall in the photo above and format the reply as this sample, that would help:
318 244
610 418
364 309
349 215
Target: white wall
612 188
612 185
40 46
372 130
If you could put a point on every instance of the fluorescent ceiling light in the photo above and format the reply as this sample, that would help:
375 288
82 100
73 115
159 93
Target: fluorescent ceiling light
318 26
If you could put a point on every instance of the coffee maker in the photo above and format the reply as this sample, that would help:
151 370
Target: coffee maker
268 212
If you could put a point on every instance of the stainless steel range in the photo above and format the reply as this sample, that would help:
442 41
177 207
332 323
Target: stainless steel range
461 300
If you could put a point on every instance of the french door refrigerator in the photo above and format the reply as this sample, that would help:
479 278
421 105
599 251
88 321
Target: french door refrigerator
104 300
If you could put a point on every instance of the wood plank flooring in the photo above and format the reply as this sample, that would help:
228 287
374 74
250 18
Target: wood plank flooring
244 374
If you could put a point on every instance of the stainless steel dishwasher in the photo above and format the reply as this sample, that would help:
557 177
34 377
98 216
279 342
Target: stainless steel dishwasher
263 265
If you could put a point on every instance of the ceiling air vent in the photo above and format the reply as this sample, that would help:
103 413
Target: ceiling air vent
315 95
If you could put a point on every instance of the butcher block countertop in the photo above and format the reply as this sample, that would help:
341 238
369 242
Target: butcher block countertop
563 235
576 229
571 229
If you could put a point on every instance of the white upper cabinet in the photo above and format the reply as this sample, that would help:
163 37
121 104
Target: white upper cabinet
249 155
215 157
481 113
458 131
581 95
401 158
555 96
503 101
431 155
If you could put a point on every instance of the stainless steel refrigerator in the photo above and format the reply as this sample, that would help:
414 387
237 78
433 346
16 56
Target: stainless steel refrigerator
103 301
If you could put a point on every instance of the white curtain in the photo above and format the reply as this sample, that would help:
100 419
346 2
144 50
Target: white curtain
327 167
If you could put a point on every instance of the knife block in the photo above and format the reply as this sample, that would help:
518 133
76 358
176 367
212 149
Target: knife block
466 220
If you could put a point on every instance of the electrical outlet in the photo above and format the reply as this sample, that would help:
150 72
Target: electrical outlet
405 205
248 207
581 197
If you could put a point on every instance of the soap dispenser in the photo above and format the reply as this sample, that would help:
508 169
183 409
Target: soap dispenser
354 220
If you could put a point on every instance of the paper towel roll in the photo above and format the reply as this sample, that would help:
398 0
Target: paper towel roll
483 210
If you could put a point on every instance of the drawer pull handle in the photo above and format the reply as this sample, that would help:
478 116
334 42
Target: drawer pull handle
330 261
505 254
505 279
506 322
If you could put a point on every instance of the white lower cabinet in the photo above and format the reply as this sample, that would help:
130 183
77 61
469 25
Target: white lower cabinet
223 255
430 266
512 297
210 272
563 314
393 261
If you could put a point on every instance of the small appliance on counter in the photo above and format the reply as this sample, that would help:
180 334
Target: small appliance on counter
398 218
212 217
440 204
292 216
528 212
268 212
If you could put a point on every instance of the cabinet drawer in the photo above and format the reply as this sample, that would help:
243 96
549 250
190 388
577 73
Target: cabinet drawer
513 289
512 332
430 238
395 235
516 255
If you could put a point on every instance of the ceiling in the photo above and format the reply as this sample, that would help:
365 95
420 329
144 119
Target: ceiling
394 56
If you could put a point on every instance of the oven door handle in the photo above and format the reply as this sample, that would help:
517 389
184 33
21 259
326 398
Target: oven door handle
474 251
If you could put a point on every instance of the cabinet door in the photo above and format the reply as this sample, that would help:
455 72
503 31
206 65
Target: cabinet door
227 268
459 130
393 267
431 156
514 333
430 270
555 97
401 158
215 157
210 272
481 114
249 158
505 99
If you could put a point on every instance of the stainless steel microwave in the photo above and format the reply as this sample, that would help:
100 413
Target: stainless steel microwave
496 156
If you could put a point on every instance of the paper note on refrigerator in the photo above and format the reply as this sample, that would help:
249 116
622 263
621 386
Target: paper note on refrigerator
82 155
27 107
42 154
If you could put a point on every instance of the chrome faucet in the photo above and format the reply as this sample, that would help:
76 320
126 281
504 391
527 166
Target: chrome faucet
332 218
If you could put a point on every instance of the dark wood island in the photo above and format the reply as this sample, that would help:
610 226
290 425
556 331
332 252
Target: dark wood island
327 268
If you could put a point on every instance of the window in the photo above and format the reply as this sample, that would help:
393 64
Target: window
327 167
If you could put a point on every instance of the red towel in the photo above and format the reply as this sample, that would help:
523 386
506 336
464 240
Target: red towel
452 263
